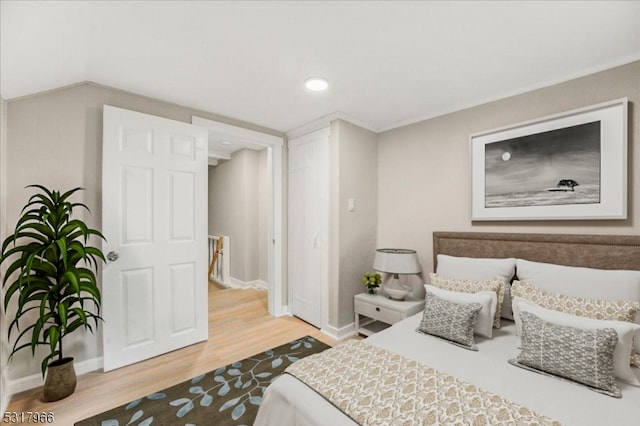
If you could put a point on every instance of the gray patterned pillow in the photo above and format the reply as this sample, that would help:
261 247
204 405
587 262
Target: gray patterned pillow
454 322
582 356
610 310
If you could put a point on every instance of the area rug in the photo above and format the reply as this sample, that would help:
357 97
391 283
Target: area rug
229 395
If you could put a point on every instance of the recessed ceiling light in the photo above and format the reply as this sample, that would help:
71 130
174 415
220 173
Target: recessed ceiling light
225 142
316 84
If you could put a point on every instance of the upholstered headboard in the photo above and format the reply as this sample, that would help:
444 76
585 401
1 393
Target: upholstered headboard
593 251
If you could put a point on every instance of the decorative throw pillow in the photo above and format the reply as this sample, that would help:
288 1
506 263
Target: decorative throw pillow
454 322
477 268
470 286
625 331
582 282
488 300
582 356
612 310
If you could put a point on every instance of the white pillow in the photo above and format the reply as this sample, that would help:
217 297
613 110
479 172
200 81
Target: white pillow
471 268
488 300
581 282
626 332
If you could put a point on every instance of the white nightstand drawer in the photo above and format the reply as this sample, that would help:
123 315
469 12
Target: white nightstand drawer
377 312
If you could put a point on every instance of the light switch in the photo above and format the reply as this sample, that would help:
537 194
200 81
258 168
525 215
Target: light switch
352 204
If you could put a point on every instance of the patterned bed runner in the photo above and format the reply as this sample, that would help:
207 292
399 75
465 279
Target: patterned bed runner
374 386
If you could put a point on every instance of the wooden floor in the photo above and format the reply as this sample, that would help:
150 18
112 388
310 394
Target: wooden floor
215 285
239 326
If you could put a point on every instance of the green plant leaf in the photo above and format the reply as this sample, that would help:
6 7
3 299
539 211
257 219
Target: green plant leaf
72 279
54 336
71 192
46 360
38 227
75 226
10 292
43 189
24 333
62 313
62 245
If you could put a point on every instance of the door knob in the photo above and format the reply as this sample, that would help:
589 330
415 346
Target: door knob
112 256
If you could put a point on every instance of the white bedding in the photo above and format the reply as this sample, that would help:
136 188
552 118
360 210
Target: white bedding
290 402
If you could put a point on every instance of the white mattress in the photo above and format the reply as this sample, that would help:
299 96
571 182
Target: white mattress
290 402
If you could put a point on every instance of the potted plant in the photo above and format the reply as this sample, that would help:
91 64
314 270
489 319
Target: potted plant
52 281
372 281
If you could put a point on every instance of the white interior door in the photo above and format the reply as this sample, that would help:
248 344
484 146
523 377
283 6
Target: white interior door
154 217
308 225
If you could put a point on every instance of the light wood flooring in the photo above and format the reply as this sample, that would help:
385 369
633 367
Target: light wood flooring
215 285
239 326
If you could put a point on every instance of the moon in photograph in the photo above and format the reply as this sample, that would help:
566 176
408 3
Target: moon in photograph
506 156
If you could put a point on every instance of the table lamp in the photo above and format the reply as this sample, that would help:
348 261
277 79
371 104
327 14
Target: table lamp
396 262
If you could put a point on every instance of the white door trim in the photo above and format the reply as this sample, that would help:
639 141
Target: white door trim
274 169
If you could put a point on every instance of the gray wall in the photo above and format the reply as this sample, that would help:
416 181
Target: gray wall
238 209
264 188
4 343
424 169
55 138
353 169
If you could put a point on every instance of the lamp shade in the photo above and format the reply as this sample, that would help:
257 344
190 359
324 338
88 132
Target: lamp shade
396 261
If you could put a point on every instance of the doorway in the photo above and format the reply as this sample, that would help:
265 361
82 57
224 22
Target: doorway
237 219
223 139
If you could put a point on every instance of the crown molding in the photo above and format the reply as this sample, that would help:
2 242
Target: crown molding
325 121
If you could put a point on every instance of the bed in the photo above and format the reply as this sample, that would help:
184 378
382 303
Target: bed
289 401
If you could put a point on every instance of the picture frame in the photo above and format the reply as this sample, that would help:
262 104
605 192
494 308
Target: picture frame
567 166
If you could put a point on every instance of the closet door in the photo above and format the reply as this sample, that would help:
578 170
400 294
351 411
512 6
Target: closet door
308 226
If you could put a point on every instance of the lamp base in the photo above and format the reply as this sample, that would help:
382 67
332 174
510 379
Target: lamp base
401 299
396 294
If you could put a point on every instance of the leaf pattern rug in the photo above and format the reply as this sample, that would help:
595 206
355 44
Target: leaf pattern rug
229 395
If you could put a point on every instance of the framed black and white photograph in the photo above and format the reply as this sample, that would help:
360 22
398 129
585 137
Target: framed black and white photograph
571 165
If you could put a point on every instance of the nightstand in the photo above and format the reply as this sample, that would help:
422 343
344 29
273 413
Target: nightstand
380 312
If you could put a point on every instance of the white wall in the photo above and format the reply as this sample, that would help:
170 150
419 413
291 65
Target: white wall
56 138
424 180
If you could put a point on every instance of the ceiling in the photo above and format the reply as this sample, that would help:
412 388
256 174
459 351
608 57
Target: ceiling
388 63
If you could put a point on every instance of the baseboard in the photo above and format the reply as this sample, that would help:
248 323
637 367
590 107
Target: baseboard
339 333
282 311
236 283
231 282
258 284
36 380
